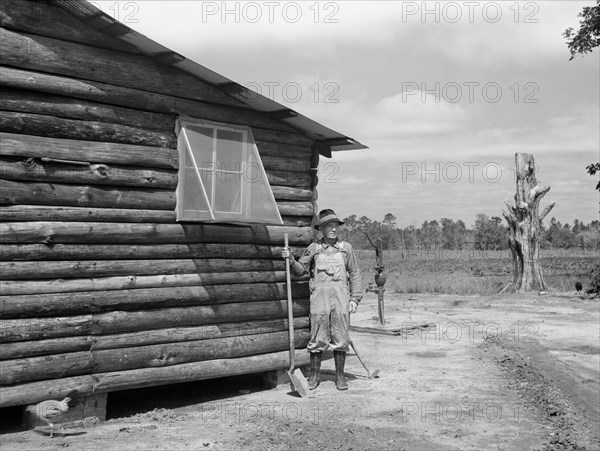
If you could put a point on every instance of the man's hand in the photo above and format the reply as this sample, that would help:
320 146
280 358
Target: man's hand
353 306
285 253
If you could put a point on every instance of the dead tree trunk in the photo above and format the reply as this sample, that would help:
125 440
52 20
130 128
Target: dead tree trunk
524 227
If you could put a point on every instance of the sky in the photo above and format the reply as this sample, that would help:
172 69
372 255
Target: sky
443 94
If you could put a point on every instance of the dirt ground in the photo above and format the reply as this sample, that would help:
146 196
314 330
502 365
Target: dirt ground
486 373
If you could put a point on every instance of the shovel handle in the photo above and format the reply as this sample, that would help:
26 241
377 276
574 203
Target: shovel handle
358 355
288 280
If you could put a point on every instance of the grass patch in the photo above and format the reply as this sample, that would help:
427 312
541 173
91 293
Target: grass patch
470 275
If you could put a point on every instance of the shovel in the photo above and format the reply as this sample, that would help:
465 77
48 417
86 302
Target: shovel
375 373
298 380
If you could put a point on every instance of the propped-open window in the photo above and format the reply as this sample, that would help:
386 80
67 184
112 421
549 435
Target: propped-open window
221 176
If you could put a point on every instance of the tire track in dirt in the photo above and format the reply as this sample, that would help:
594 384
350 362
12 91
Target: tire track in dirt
567 408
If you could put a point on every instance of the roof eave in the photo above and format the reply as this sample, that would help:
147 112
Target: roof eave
100 21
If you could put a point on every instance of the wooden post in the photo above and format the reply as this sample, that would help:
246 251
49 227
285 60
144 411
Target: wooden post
524 227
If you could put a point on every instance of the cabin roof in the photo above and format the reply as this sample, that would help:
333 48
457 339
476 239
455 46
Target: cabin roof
328 140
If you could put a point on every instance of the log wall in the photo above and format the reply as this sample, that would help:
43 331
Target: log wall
100 288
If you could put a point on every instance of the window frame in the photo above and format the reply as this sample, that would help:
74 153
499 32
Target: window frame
249 152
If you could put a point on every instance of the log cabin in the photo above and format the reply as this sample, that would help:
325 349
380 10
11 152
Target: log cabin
143 207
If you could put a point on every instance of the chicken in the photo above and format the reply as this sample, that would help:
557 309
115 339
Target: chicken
578 286
48 411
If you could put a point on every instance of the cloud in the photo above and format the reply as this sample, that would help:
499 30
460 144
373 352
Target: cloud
378 50
261 25
406 114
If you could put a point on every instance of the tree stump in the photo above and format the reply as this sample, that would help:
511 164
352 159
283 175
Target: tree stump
524 227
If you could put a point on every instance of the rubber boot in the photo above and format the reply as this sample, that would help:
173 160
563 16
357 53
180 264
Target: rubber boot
315 368
340 379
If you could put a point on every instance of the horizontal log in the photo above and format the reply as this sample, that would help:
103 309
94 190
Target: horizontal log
275 149
298 221
296 208
25 101
116 233
19 49
274 156
34 392
37 252
187 371
301 180
57 127
22 349
48 19
286 164
32 169
130 321
287 178
161 355
291 193
42 328
45 367
122 176
111 94
61 213
29 146
280 137
29 169
167 354
186 334
61 194
131 282
81 302
24 270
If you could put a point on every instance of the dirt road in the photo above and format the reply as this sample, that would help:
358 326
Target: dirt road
504 372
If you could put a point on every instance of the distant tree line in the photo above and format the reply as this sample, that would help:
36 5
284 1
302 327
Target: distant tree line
485 234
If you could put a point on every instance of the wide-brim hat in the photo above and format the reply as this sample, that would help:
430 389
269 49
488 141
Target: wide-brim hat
326 216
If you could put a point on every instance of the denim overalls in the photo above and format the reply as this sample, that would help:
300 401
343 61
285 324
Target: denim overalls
329 300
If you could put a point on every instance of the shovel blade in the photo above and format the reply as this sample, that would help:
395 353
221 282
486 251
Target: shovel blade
374 374
299 382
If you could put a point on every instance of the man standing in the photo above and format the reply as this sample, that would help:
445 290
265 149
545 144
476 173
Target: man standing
335 291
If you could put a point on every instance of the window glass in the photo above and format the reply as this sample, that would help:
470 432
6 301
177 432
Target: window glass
230 149
201 140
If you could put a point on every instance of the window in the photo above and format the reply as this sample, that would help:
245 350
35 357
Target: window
221 176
